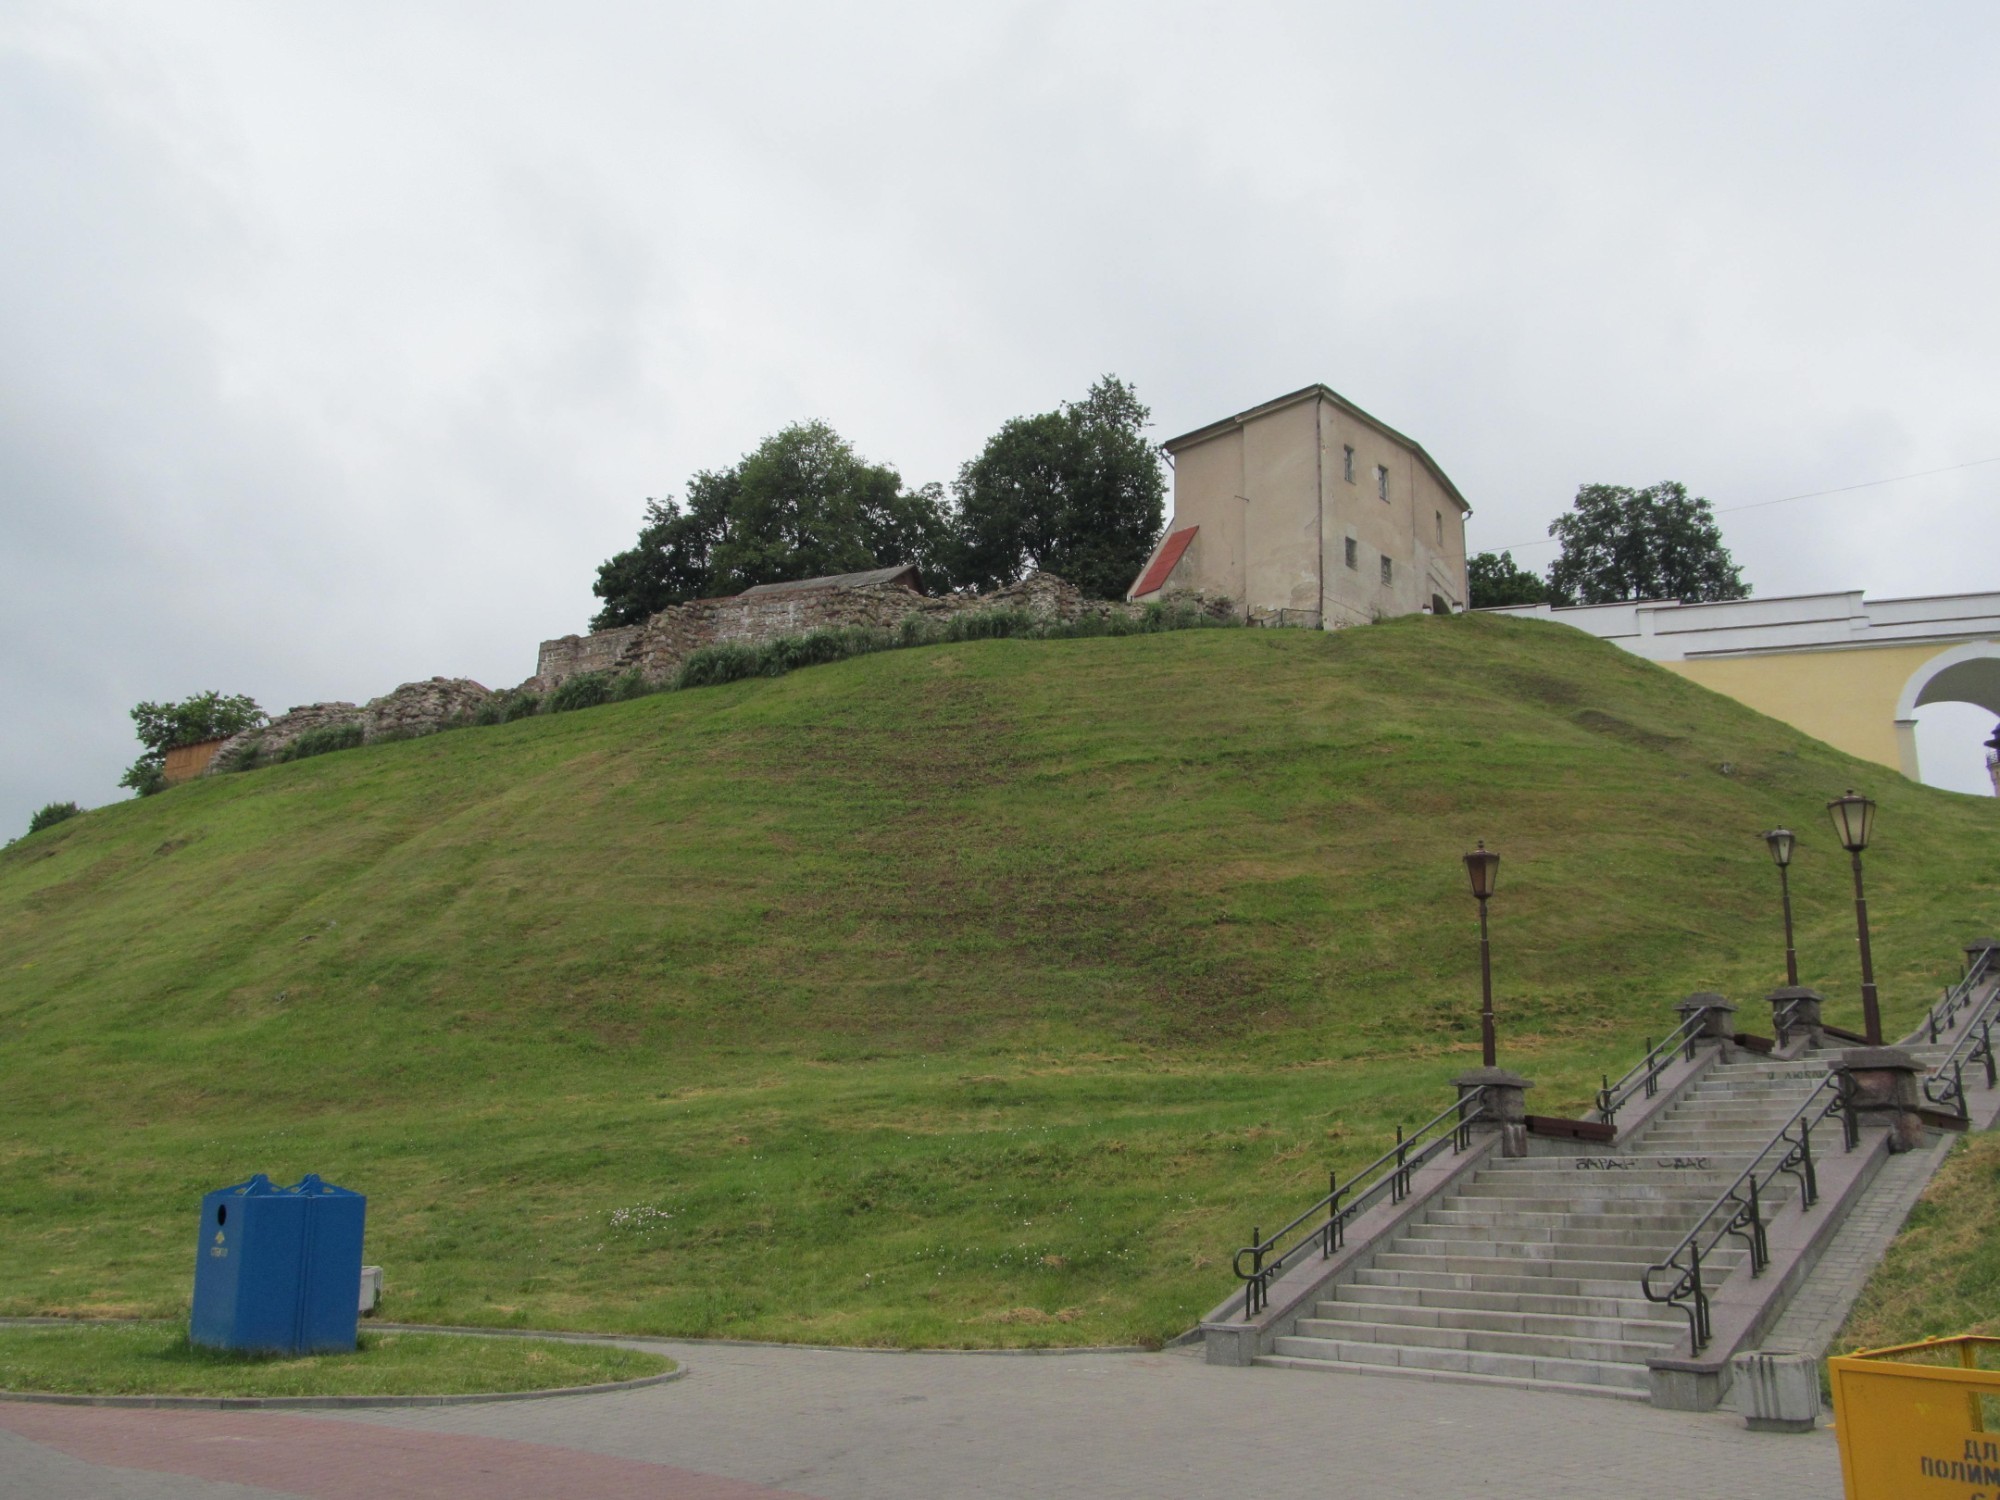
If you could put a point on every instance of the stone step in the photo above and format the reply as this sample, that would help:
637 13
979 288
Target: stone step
1466 1361
1537 1252
1706 1143
1477 1340
1654 1332
1623 1299
1590 1277
1450 1377
1561 1239
1716 1175
1613 1215
1543 1201
1701 1109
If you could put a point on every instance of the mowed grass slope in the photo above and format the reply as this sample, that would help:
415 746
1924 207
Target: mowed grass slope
979 994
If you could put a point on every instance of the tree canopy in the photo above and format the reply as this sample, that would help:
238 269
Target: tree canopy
800 505
1495 579
1077 492
1655 543
164 726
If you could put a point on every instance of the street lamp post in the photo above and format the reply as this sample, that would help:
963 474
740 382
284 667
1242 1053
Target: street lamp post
1483 866
1853 821
1780 841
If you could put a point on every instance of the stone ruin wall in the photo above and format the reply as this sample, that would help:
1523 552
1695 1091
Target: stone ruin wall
657 649
414 708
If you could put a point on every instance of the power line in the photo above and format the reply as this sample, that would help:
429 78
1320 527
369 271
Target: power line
1867 484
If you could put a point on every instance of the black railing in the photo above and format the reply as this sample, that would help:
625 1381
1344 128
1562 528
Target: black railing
1325 1223
1739 1210
1785 1019
1644 1075
1944 1016
1944 1085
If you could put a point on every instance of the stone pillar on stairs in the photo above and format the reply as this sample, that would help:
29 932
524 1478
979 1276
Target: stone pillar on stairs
1795 1012
1718 1025
1885 1084
1506 1105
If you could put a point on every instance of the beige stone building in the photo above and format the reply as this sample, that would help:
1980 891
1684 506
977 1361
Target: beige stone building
1308 511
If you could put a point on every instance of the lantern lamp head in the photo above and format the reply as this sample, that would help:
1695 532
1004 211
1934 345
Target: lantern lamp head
1853 820
1780 841
1483 866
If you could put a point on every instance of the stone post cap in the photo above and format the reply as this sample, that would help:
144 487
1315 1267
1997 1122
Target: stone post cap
1879 1060
1704 1000
1982 945
1793 992
1481 1078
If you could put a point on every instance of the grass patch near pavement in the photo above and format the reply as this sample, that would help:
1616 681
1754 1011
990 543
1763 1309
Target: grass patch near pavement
1942 1274
983 994
156 1359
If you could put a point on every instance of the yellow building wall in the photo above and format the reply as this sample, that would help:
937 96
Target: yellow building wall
1846 697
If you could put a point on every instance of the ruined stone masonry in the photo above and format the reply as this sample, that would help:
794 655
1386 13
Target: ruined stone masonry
878 600
414 708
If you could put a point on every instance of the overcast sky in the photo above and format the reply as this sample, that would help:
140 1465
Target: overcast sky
340 342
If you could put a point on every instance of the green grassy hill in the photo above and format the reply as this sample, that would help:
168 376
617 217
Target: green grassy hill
976 994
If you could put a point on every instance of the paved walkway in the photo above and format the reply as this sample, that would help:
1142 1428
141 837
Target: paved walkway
836 1425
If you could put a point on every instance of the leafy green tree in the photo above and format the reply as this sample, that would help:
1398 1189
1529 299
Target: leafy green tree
802 504
669 564
1495 579
1077 491
54 813
164 726
1655 543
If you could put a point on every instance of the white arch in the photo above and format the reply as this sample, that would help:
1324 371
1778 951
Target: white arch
1964 674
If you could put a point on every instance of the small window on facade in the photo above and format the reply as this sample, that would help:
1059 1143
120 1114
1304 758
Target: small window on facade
1440 520
1353 554
1347 463
1388 571
1382 481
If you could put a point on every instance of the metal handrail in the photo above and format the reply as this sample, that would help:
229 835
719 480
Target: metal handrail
1391 1172
1944 1085
1944 1015
1786 1015
1645 1073
1739 1206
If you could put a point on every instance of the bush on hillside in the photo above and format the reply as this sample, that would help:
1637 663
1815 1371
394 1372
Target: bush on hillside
711 666
505 708
585 690
54 813
327 737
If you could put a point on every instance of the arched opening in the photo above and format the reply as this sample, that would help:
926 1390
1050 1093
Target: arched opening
1961 688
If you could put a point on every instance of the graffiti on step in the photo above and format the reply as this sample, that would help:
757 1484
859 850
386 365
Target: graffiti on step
1642 1163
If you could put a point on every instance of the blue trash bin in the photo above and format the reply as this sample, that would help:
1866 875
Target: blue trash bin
278 1270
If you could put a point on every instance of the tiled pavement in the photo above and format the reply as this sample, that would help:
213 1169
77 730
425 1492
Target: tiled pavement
843 1425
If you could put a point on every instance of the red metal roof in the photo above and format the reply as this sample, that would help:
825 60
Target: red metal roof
1163 562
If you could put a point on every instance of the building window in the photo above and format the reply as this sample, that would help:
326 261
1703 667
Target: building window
1382 481
1347 463
1388 571
1440 520
1353 554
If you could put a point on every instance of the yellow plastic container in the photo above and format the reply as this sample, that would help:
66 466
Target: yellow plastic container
1919 1421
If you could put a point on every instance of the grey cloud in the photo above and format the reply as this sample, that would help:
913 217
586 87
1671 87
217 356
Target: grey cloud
340 344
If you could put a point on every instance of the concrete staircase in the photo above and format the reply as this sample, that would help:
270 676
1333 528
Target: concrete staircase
1528 1273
